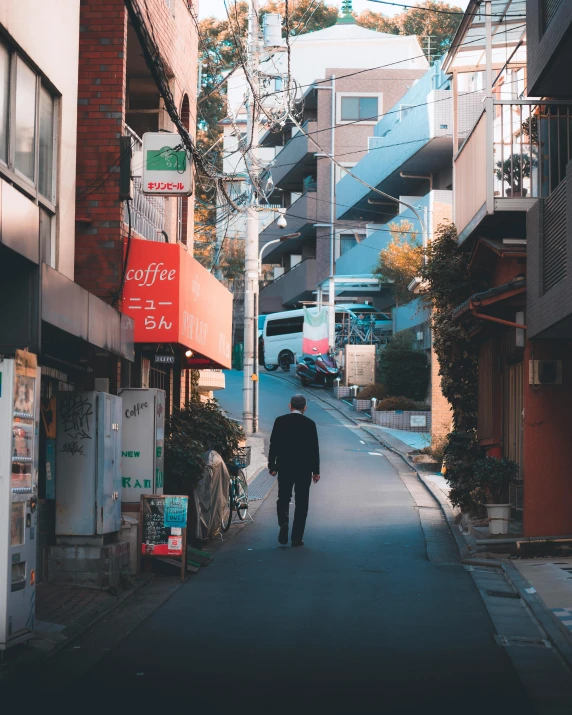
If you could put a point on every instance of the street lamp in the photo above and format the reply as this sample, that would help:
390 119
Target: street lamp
271 243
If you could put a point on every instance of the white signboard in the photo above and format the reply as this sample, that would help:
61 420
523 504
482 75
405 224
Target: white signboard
142 448
166 165
360 365
418 420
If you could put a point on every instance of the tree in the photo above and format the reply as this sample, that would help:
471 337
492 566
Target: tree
446 273
222 48
421 21
232 259
401 261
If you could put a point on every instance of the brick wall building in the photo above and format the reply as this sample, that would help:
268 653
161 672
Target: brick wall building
119 97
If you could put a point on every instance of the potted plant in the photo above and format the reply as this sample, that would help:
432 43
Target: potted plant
494 477
513 170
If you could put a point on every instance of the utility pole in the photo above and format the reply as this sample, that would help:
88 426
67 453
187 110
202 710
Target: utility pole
250 379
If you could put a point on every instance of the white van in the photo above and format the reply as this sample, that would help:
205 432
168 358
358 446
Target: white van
282 338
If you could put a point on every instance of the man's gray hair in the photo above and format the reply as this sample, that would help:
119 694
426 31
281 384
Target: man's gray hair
298 402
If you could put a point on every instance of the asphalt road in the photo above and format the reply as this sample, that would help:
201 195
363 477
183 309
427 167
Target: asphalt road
356 621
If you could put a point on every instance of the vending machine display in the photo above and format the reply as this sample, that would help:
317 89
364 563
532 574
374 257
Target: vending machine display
19 430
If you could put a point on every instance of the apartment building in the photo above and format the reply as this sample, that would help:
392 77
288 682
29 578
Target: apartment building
410 158
343 97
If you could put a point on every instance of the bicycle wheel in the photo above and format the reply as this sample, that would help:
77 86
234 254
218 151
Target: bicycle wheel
241 496
226 519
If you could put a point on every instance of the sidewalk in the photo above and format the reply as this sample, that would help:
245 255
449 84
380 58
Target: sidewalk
544 585
62 614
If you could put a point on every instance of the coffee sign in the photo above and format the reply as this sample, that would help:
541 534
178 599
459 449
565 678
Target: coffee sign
174 300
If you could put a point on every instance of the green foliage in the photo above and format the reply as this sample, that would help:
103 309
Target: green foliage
513 170
401 261
403 370
190 432
369 391
418 21
494 477
404 404
447 276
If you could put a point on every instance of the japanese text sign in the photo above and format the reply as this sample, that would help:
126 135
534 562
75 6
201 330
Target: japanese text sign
173 299
166 168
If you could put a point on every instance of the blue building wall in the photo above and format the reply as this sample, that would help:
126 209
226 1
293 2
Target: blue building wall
399 137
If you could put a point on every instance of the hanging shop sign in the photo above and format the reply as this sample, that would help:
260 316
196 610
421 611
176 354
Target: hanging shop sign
173 299
166 166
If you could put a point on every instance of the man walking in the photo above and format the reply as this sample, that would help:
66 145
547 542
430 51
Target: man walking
295 456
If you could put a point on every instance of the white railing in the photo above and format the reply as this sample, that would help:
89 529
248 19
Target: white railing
147 212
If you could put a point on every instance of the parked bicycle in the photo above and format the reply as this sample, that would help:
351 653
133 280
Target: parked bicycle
237 488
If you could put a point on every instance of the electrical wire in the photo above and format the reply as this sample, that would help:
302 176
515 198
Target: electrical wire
448 12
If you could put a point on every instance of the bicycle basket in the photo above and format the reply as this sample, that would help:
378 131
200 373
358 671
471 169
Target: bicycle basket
241 458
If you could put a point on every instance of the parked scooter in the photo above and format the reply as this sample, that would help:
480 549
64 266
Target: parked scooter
317 369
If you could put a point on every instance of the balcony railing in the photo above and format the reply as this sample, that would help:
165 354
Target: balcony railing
147 212
293 284
517 151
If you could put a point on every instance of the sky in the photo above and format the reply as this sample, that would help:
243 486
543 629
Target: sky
207 8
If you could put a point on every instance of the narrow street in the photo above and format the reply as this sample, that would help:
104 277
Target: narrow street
359 620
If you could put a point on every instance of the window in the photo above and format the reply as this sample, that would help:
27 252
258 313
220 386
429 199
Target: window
4 84
27 125
46 145
359 109
278 84
285 326
347 242
342 170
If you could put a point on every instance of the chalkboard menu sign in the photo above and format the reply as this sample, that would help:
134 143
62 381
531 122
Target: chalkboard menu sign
157 539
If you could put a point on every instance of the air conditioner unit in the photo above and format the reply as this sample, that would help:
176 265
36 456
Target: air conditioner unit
545 372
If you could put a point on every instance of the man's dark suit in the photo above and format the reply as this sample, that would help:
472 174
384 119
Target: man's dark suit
295 455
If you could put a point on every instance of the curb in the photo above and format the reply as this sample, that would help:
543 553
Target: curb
556 633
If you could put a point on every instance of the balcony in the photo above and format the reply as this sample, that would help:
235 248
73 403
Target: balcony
301 217
211 380
516 153
411 144
296 160
290 288
147 212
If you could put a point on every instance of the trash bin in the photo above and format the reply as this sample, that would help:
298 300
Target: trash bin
238 356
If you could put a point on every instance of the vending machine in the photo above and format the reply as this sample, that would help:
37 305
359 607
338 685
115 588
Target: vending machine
143 443
19 439
88 463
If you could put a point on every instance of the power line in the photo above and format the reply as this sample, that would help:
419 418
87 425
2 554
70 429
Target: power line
448 12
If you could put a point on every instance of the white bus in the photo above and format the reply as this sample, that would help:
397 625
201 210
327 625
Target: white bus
282 338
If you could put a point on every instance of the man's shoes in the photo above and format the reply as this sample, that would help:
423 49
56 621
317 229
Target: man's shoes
283 535
297 543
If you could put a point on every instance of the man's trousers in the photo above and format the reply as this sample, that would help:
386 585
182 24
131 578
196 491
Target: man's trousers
300 482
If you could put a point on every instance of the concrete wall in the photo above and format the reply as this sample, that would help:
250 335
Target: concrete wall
548 53
47 32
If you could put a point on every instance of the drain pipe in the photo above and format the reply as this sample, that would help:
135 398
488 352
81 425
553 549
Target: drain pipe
418 176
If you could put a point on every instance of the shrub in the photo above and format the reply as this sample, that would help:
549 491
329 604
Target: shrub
369 391
494 477
396 403
403 370
190 432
